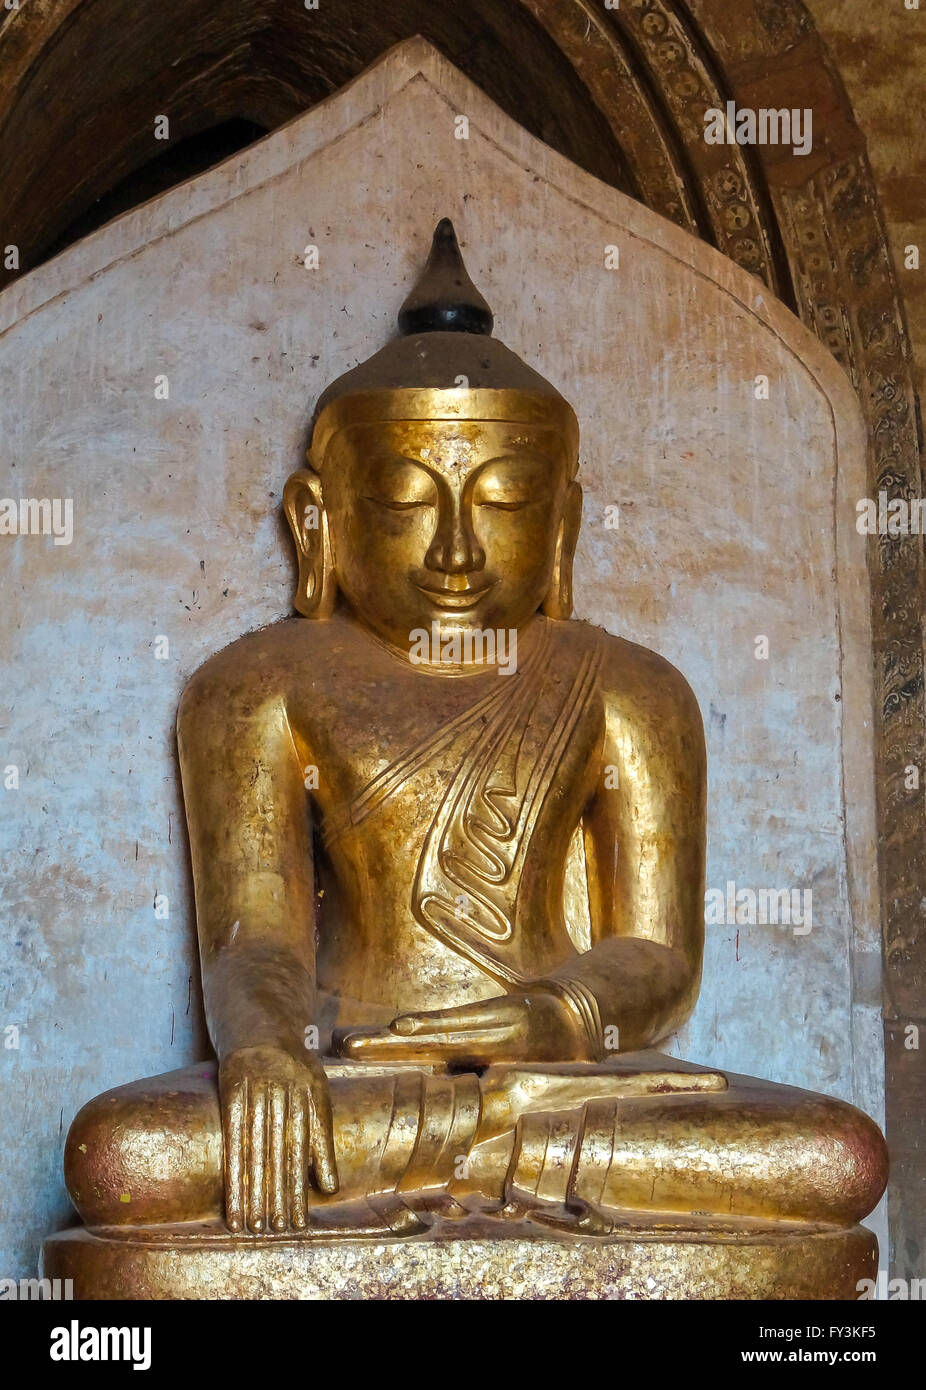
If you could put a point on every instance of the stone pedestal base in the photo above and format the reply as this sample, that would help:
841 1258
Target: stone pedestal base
664 1260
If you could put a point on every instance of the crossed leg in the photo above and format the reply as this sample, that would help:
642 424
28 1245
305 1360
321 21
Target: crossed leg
151 1152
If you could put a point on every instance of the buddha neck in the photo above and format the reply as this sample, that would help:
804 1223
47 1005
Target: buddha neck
454 653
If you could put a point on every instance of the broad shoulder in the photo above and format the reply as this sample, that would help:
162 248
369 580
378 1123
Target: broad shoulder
262 666
636 683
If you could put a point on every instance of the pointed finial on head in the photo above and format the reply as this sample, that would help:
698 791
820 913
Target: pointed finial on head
445 300
443 364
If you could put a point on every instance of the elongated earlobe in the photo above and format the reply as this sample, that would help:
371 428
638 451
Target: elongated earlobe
304 506
558 602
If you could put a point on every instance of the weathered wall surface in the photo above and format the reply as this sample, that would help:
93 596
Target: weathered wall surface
736 522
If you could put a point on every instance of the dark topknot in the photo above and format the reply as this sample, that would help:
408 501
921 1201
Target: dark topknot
445 300
445 338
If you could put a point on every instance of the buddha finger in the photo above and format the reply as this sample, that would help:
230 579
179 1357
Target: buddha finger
326 1169
298 1150
479 1015
471 1048
474 1045
234 1115
276 1152
257 1159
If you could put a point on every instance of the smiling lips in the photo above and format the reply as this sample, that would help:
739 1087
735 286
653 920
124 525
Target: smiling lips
457 593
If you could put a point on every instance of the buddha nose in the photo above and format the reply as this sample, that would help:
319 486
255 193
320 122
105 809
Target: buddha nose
454 549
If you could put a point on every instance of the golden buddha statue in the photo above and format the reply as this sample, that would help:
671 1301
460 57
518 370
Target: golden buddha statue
448 852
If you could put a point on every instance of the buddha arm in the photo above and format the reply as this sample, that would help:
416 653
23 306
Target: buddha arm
252 864
645 844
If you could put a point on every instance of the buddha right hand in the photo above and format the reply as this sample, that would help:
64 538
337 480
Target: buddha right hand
276 1130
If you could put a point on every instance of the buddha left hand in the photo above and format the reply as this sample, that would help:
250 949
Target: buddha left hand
535 1026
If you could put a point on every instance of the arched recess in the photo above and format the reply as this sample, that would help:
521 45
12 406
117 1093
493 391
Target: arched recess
622 92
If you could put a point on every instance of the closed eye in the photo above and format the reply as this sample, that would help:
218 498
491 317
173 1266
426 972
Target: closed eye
396 504
500 506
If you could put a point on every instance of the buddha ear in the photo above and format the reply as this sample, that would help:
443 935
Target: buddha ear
303 504
558 602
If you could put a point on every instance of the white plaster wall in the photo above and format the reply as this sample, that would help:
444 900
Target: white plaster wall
736 519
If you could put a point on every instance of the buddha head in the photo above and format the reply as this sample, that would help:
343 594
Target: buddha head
441 480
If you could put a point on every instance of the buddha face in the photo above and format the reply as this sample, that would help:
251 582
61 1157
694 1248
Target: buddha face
448 522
